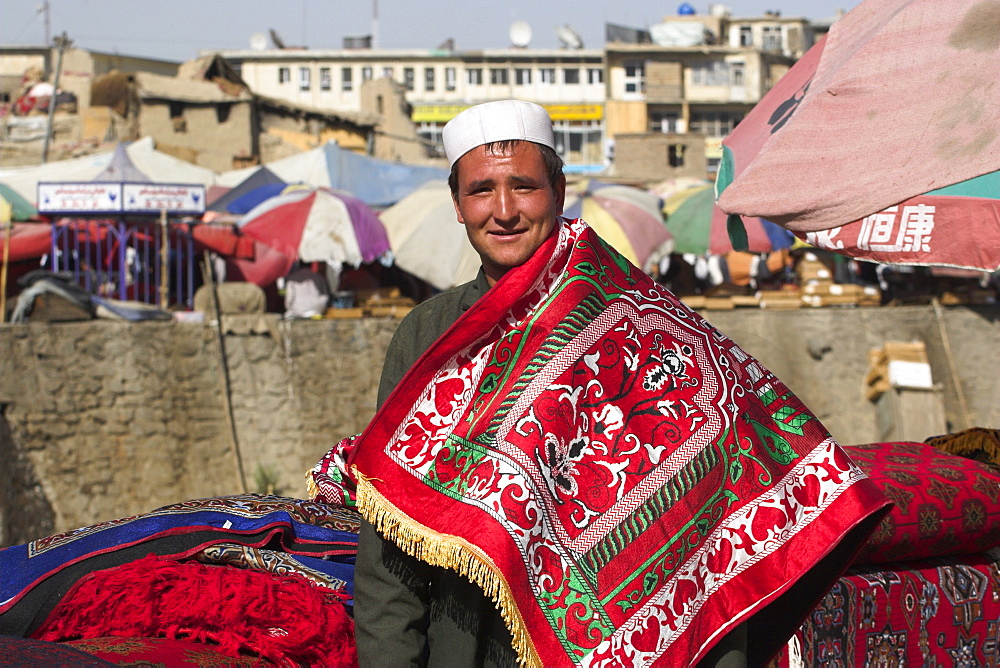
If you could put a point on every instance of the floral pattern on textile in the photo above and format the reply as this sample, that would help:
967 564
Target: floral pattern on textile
614 471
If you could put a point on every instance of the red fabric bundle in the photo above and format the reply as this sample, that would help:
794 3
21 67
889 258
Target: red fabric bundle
287 620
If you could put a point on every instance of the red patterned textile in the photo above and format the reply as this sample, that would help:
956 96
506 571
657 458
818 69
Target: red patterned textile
944 504
286 620
624 481
935 612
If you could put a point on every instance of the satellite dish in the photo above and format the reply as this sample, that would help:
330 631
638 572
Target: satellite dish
569 37
520 34
258 41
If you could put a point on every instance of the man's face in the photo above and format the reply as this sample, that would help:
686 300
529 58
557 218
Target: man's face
507 205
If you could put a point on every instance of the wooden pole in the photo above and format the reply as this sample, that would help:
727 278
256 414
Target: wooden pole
220 340
164 261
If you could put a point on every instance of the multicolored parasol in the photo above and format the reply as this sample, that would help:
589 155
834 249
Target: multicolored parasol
318 225
629 219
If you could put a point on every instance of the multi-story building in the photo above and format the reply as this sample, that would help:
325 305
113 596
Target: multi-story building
441 83
693 78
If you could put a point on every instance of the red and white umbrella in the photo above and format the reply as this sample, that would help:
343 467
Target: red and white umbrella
318 225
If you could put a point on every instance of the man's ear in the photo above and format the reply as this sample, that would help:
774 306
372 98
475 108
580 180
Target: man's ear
458 211
560 193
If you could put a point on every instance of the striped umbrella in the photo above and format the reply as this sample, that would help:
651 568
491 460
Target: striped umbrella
629 219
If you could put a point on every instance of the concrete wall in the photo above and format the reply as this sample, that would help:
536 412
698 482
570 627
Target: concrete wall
102 419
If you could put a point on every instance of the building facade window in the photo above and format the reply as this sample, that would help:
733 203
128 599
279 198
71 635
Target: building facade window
305 78
635 76
450 79
474 76
547 75
387 73
595 75
571 76
408 77
737 74
498 76
346 79
429 78
366 73
714 123
664 121
522 76
771 38
710 73
579 142
431 134
284 75
325 78
746 36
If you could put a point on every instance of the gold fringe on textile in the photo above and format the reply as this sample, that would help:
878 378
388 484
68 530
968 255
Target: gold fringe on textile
977 443
446 551
312 489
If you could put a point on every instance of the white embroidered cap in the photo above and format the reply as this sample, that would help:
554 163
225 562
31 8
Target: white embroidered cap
496 121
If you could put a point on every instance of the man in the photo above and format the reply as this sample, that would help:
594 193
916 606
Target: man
509 196
626 485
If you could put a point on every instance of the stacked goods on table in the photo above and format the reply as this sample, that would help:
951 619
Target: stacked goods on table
383 302
791 297
819 288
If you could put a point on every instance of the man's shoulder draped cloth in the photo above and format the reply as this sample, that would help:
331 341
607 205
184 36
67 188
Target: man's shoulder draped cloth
620 477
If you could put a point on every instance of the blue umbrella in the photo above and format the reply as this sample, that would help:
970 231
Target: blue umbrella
248 201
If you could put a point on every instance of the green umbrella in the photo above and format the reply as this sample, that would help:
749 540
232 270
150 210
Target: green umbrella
21 209
699 227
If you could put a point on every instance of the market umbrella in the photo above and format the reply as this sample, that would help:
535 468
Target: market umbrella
20 208
427 240
318 225
248 200
699 227
261 176
673 192
628 218
882 142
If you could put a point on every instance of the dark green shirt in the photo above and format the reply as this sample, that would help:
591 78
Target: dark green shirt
409 613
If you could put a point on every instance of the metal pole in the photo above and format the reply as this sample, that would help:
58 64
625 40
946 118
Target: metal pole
61 42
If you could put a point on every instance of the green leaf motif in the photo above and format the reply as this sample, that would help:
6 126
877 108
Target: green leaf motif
489 383
774 443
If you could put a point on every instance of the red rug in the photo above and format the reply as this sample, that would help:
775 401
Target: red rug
285 620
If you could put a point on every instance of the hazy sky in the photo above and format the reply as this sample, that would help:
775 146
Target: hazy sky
179 29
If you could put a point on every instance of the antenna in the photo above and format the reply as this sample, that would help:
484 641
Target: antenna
520 34
258 41
569 37
276 38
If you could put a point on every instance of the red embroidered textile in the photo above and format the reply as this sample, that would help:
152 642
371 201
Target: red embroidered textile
944 504
624 481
